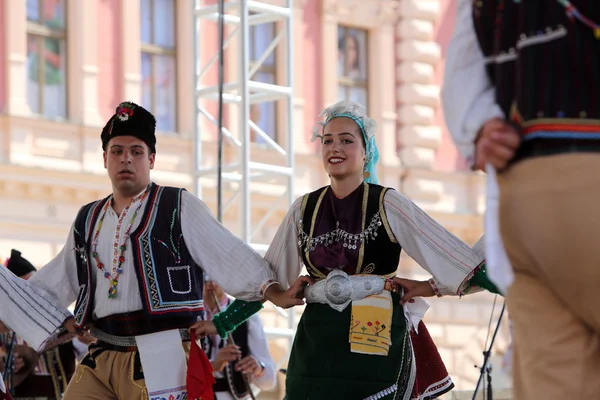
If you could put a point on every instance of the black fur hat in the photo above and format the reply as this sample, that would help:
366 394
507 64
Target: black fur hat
18 265
131 119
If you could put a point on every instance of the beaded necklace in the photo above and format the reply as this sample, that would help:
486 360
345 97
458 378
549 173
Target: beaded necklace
573 13
118 250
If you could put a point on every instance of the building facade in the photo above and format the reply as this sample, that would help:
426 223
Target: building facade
66 64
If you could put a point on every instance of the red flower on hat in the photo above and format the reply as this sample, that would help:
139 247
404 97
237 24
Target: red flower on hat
124 111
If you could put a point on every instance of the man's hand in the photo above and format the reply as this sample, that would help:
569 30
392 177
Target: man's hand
225 355
414 289
203 328
249 366
288 298
496 144
70 326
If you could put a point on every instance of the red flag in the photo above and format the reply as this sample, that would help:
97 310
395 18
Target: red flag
200 379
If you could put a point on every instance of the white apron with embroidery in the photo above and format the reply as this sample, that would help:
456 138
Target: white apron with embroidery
164 364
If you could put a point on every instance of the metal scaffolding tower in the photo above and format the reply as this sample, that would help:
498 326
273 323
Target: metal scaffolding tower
243 177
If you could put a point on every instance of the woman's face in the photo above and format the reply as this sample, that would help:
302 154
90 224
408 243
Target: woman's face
342 149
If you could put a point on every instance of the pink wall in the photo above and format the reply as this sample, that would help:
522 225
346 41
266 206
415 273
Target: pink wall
447 157
109 57
209 40
309 61
2 58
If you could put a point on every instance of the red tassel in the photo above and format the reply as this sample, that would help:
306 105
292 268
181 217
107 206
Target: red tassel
200 379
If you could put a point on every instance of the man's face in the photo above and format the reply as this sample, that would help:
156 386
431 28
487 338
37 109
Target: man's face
128 162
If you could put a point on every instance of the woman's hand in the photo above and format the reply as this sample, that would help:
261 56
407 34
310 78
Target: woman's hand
288 298
413 289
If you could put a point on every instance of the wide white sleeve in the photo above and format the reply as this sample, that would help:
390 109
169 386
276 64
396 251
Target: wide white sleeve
233 265
449 260
59 276
283 254
479 247
468 97
257 342
29 310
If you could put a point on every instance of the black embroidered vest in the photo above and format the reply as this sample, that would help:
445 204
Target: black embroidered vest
545 67
233 381
169 280
379 251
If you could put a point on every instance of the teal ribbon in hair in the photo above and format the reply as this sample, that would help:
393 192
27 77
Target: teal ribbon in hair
371 150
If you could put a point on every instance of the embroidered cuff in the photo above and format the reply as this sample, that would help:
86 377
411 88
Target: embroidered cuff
435 288
390 285
233 316
265 286
480 279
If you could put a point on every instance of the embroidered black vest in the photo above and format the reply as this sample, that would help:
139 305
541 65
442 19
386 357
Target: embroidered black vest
545 67
233 382
169 280
379 251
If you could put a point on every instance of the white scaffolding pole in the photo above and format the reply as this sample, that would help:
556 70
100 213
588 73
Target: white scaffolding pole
243 175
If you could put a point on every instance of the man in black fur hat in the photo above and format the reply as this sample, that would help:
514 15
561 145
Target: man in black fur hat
134 262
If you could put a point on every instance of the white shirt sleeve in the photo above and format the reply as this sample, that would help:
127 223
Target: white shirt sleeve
233 265
59 276
283 254
479 247
468 96
449 260
29 310
257 342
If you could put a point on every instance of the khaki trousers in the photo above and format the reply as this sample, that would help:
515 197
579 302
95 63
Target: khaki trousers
114 377
550 225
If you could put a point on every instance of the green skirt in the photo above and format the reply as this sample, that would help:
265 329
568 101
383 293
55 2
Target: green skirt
321 365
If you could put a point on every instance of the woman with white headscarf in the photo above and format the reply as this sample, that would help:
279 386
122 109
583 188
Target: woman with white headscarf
361 334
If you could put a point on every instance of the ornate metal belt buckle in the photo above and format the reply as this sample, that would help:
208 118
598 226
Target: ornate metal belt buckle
339 289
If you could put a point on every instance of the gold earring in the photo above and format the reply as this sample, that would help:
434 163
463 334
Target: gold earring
366 174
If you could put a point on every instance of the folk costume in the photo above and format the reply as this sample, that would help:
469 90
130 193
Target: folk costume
43 375
251 339
366 345
29 310
536 65
137 280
